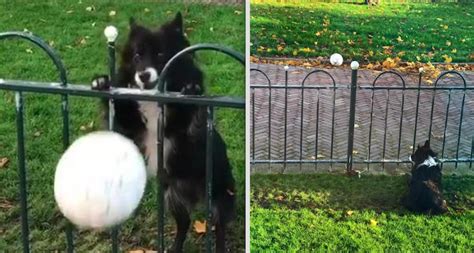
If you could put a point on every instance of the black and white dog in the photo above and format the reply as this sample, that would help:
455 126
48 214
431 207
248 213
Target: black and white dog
143 57
425 188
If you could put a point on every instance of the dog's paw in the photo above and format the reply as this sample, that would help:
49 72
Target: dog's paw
100 82
191 89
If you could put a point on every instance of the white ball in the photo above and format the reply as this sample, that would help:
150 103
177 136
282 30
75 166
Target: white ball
336 59
100 180
111 33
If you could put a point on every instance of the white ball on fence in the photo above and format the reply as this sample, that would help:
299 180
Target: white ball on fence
100 180
111 33
336 59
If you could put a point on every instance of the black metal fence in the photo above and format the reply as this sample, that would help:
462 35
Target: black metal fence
315 122
160 96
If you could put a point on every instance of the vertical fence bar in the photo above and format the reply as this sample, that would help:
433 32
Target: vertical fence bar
416 110
385 128
431 114
25 233
317 133
160 179
253 123
65 116
460 127
111 33
370 128
472 151
445 126
269 126
115 242
286 112
350 137
401 124
332 123
209 166
301 124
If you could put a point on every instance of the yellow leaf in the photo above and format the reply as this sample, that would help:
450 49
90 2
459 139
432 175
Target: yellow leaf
399 39
3 162
349 212
447 59
318 33
112 13
448 43
371 53
454 51
280 48
295 53
200 227
445 27
237 12
373 222
146 10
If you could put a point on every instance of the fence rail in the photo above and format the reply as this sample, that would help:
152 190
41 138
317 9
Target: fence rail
160 96
357 124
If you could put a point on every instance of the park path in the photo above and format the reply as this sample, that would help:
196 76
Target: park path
306 125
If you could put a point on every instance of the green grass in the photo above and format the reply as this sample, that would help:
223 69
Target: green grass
328 212
64 24
416 32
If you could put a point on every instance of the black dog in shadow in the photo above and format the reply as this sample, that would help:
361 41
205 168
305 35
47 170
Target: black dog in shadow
425 188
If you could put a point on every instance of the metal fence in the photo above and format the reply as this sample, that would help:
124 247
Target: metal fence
160 96
310 124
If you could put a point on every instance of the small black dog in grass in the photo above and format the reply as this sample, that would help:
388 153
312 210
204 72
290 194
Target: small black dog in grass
143 58
425 188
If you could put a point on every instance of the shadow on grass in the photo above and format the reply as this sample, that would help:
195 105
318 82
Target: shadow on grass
329 191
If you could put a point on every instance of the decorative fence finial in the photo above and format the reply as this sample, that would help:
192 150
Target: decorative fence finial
354 65
336 59
111 33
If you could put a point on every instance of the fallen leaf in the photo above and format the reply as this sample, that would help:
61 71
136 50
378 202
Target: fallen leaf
211 29
37 134
146 10
349 212
373 222
279 198
200 227
90 8
3 162
447 59
28 50
69 12
237 12
399 39
112 13
448 43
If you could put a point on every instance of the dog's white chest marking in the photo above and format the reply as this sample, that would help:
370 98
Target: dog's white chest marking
151 112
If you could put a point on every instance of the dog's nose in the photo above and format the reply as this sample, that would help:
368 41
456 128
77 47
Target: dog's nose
144 76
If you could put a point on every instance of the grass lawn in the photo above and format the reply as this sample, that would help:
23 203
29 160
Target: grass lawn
321 212
413 32
76 32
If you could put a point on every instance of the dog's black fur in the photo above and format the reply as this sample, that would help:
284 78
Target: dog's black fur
425 187
185 128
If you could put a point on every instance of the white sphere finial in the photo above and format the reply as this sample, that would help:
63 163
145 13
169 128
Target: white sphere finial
354 65
111 33
421 70
336 59
286 67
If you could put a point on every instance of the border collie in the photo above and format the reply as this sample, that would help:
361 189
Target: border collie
143 58
425 188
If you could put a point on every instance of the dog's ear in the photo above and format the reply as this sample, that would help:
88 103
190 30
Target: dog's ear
131 22
427 144
177 22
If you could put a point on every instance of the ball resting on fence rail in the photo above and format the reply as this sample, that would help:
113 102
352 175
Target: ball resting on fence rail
99 180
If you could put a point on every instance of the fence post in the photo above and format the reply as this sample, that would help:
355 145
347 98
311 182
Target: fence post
111 34
350 139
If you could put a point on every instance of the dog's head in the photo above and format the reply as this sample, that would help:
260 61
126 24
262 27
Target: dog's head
422 153
146 52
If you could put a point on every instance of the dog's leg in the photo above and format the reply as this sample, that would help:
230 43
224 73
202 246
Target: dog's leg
183 221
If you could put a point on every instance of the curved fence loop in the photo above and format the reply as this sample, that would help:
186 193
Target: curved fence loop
387 73
43 45
264 75
448 73
234 54
319 71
